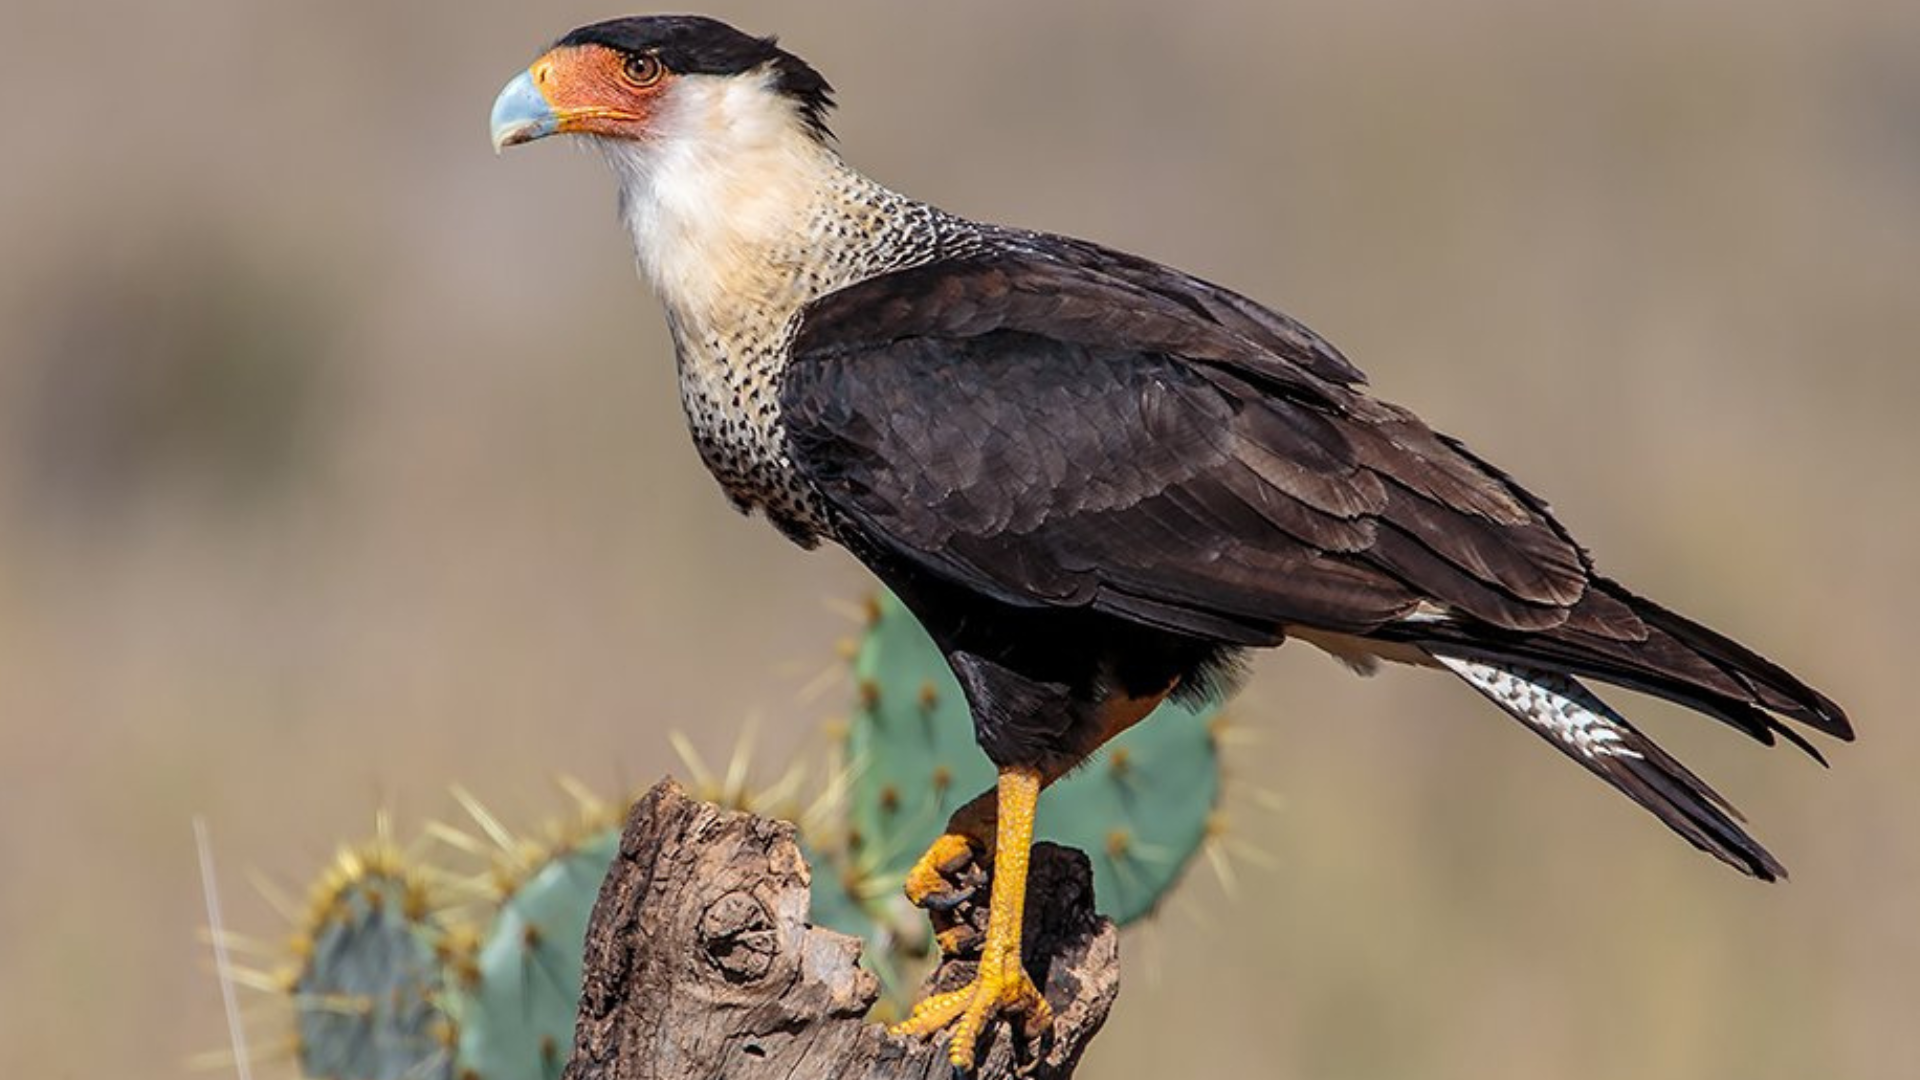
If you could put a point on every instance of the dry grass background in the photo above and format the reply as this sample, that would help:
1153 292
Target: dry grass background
340 462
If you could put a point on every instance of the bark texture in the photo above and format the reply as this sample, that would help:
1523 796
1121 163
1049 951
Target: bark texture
700 963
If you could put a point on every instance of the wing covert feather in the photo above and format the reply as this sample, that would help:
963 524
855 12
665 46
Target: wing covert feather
1055 432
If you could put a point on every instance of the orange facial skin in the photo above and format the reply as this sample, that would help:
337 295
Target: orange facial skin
594 90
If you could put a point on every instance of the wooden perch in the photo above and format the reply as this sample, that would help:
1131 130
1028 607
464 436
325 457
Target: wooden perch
700 963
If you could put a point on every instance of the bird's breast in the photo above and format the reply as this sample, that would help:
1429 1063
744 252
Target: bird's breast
730 390
733 304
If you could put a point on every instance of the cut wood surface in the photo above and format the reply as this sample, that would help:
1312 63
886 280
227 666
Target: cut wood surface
700 962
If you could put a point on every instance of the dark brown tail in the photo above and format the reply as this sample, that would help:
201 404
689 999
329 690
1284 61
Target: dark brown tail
1619 638
1627 640
1575 722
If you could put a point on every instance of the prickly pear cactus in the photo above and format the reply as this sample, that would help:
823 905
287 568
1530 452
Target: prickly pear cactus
366 990
1140 810
515 997
391 988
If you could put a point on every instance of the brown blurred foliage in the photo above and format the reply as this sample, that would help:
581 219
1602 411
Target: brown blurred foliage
340 462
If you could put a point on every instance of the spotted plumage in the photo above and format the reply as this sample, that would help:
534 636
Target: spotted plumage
731 350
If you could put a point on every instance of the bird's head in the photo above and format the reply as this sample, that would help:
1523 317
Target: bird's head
718 143
653 80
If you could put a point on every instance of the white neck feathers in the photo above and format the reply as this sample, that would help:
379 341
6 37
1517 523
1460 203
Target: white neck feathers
722 199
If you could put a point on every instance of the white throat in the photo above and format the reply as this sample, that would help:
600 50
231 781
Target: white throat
724 201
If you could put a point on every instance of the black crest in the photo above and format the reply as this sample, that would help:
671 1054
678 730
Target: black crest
697 45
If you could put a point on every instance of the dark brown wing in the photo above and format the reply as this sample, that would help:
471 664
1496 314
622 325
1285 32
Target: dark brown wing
1054 435
1058 424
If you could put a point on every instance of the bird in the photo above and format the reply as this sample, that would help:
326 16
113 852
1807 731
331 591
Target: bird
1097 481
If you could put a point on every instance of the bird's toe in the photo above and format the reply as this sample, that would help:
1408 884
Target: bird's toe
1001 989
949 874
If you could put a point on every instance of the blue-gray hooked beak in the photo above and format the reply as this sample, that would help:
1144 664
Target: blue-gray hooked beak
521 114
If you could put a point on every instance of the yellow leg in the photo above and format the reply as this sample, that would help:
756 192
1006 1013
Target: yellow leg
1002 985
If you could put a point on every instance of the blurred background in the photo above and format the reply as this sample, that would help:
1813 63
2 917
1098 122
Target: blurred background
340 462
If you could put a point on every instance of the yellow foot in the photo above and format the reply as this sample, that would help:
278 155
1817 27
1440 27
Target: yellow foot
1000 989
935 881
944 878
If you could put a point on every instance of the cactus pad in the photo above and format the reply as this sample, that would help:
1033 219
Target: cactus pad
515 1002
365 996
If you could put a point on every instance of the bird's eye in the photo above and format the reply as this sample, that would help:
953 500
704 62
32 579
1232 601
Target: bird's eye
643 70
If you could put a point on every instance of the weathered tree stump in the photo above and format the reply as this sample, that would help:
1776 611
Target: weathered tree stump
700 963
